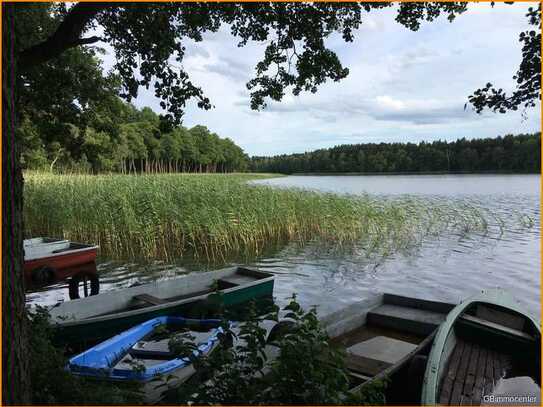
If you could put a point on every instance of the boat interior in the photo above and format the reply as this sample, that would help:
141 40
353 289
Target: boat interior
240 277
154 348
392 334
43 247
490 349
162 292
41 240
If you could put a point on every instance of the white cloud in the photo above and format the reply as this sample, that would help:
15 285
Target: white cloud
389 103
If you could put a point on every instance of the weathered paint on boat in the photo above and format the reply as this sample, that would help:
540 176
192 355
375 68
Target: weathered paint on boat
62 258
56 253
441 349
96 318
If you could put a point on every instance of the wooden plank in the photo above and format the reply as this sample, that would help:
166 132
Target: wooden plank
366 366
503 318
458 386
470 375
480 379
467 392
360 376
412 320
429 305
238 279
489 373
149 299
498 327
452 370
498 371
506 361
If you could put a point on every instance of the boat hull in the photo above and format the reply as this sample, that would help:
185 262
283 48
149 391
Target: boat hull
486 336
65 261
108 360
383 319
51 260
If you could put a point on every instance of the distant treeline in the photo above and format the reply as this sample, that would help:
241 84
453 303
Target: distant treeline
520 153
118 137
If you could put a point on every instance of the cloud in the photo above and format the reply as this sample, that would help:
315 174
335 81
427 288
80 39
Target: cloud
229 68
199 51
379 108
412 59
372 24
419 111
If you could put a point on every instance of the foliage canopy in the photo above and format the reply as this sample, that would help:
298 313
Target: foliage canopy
148 41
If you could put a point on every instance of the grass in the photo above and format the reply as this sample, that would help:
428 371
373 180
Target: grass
212 216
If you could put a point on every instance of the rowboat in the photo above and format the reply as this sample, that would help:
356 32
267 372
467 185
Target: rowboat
142 354
56 253
488 347
90 320
48 260
386 336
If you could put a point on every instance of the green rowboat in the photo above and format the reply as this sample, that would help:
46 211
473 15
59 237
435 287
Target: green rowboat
89 320
487 348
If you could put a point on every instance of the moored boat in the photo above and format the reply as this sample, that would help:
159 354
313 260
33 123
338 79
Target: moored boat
487 348
143 354
48 260
386 336
58 254
92 319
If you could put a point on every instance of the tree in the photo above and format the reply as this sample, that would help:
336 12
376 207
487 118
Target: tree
528 76
145 37
522 152
135 145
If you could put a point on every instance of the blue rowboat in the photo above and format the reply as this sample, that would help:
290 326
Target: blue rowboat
141 354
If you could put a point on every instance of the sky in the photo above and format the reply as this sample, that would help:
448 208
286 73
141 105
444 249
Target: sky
403 86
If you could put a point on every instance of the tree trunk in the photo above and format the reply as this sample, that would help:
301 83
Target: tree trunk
15 361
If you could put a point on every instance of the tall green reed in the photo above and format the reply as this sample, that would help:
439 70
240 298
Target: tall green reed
214 215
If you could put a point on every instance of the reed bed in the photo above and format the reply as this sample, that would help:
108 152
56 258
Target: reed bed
213 216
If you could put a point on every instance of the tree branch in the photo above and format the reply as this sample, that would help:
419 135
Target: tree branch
88 40
66 36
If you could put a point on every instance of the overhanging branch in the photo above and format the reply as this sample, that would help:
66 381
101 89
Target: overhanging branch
86 41
66 36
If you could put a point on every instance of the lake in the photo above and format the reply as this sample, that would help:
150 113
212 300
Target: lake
446 267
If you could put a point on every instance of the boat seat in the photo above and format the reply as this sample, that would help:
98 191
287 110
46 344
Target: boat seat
150 299
413 320
223 284
374 355
238 279
496 326
497 316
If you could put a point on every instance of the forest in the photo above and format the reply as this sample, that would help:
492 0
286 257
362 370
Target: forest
511 153
126 140
72 118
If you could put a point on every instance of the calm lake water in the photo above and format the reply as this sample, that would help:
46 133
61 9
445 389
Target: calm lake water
447 267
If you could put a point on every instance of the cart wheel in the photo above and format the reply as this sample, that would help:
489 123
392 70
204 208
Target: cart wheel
85 279
43 275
